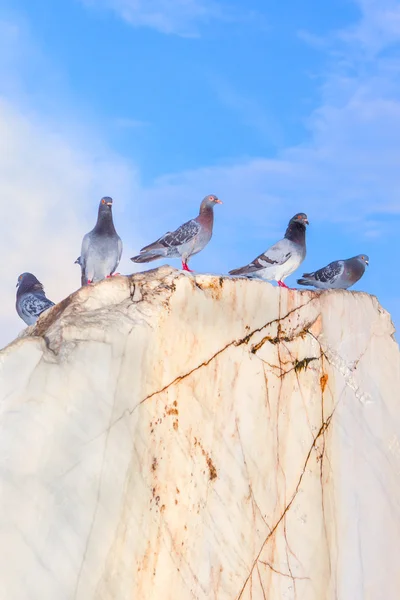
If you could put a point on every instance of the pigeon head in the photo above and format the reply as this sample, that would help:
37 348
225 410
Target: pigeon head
363 258
104 219
209 202
299 218
105 204
28 283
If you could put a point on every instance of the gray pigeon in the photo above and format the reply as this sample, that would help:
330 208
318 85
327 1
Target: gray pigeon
283 258
101 248
189 239
31 299
339 274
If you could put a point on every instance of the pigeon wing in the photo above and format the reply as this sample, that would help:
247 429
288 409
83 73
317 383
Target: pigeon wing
184 234
33 305
278 254
84 252
330 273
119 254
119 250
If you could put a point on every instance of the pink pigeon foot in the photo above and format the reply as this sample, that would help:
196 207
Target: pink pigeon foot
281 284
186 268
112 275
90 281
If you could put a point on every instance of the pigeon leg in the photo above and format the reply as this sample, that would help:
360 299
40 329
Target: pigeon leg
281 284
90 281
186 268
112 275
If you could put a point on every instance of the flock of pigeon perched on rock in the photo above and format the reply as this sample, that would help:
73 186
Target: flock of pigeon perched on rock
102 249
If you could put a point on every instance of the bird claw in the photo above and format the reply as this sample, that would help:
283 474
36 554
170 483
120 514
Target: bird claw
112 275
283 285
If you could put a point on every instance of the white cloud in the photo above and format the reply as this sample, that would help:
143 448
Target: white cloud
313 40
378 28
249 110
345 175
350 160
349 166
53 172
180 17
127 123
50 189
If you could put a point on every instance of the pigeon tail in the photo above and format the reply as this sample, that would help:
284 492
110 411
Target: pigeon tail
240 271
146 257
153 246
305 281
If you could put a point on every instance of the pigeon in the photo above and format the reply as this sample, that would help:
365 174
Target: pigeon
339 274
189 239
283 258
31 299
101 248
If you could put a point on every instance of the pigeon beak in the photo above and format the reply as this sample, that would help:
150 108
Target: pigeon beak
367 262
306 221
218 201
109 203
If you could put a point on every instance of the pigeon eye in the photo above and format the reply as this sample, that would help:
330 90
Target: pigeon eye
103 201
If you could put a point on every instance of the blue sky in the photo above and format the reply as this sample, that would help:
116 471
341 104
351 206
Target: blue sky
277 109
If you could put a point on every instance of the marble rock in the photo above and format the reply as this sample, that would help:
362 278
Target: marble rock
168 436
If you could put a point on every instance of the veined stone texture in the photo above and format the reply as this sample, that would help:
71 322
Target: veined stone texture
168 436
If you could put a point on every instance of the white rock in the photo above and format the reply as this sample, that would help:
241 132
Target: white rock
165 437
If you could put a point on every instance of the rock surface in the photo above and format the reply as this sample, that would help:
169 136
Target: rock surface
170 437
